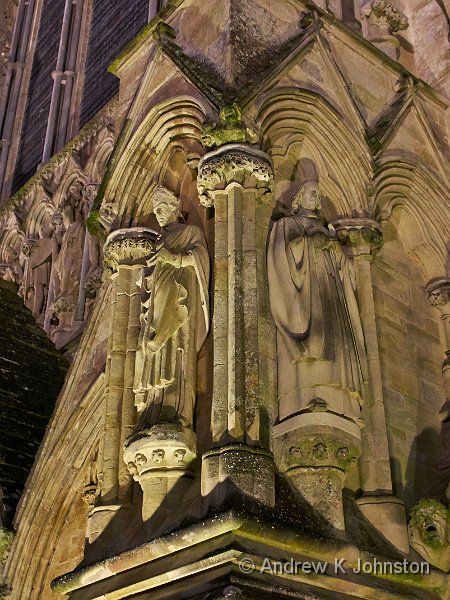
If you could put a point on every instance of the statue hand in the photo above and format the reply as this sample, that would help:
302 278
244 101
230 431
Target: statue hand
166 256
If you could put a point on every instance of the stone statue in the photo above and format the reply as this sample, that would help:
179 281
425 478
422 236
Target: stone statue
11 269
40 255
67 267
322 362
176 321
428 532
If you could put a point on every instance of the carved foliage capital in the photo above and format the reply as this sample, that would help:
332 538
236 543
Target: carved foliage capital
381 11
439 293
128 247
233 163
363 236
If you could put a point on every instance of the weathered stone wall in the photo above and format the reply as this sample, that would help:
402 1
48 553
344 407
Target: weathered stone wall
424 45
411 356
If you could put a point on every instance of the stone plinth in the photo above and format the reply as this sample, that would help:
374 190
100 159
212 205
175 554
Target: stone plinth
316 451
236 472
160 458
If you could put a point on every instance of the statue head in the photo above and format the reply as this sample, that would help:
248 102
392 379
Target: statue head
428 523
165 206
308 196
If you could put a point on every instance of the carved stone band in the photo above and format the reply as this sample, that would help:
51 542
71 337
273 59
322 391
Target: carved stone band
319 440
439 292
164 449
364 236
128 247
232 163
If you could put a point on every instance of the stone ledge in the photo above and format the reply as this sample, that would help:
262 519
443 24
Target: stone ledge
217 546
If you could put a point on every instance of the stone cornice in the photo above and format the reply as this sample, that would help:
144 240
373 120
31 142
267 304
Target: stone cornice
242 536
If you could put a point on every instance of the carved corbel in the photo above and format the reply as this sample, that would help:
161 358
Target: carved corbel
362 237
428 532
159 458
230 129
383 21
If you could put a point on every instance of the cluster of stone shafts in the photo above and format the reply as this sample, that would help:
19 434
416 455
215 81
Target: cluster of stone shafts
315 449
125 256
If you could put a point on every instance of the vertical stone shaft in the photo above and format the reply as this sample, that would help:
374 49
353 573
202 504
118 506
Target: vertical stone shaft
236 179
376 470
122 284
235 301
363 238
125 253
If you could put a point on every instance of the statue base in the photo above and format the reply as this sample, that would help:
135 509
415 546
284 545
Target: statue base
315 451
387 514
237 474
161 459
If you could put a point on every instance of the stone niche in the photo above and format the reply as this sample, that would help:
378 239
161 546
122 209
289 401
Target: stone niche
411 357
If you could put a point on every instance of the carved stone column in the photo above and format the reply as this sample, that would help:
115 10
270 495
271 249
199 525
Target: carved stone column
236 179
362 238
124 258
382 20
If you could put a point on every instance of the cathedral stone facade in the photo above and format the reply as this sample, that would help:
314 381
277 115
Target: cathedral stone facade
232 219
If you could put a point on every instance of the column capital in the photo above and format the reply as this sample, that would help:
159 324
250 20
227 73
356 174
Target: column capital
160 449
382 13
128 247
438 291
242 164
363 236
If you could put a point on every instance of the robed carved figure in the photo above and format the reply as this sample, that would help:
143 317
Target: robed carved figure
175 320
322 362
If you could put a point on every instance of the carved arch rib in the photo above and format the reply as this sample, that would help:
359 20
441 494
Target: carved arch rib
295 114
424 200
168 125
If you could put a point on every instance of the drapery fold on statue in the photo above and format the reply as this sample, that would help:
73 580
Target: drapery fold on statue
175 328
320 341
